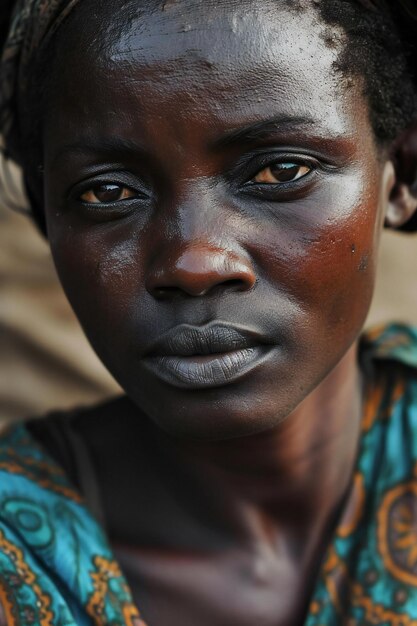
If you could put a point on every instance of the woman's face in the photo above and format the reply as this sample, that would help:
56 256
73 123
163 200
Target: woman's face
214 200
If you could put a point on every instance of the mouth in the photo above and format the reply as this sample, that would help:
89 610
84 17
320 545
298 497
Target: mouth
198 357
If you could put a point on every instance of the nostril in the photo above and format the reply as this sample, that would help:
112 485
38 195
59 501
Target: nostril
165 292
168 292
199 270
235 284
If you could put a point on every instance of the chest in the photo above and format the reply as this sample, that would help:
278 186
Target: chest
216 589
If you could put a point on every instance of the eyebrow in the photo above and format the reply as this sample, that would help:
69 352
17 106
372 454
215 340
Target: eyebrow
102 145
252 133
263 129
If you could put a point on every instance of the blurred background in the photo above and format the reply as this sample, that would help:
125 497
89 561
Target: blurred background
45 360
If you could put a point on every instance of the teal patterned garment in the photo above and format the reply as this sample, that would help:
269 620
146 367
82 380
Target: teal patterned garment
369 575
56 567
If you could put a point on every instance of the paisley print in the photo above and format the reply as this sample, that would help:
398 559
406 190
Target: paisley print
369 575
22 598
111 595
29 519
397 532
56 567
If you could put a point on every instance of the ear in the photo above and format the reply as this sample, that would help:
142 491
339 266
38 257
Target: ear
402 203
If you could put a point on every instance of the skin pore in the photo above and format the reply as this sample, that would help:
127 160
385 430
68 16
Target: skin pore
206 167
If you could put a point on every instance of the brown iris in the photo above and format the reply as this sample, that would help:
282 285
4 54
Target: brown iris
281 173
107 193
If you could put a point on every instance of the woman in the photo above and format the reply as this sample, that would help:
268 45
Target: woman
213 180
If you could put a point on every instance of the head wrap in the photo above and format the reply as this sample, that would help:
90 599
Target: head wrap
32 23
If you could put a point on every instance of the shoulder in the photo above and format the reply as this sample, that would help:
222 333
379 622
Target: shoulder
51 548
33 473
391 343
388 358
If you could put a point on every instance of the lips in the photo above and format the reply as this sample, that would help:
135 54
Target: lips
205 356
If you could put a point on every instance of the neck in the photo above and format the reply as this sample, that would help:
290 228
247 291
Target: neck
304 465
291 479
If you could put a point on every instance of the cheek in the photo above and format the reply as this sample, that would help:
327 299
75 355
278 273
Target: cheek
341 274
102 272
327 263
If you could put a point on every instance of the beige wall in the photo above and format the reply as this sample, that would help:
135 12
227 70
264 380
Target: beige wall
396 289
45 361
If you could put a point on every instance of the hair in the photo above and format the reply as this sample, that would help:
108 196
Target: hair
379 44
5 14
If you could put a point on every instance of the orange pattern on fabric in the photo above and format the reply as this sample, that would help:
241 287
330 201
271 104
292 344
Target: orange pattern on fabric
132 617
373 334
38 464
106 571
47 483
315 607
389 343
353 509
28 577
397 532
374 401
335 574
396 395
339 585
376 613
7 607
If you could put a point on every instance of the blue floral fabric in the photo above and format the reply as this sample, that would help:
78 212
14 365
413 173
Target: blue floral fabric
369 575
56 567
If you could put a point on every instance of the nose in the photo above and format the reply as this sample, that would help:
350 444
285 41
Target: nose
198 269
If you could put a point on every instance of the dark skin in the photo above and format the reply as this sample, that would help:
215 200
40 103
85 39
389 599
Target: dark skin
205 165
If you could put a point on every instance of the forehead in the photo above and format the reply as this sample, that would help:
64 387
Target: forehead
229 63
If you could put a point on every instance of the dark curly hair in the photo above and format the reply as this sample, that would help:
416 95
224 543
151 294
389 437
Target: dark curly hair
381 46
5 14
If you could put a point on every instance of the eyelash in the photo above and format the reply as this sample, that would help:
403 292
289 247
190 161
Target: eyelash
255 166
261 190
101 210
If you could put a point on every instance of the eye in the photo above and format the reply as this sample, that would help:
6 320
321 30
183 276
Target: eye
106 193
281 172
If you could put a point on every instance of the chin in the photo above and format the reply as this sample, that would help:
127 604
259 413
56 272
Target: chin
216 414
